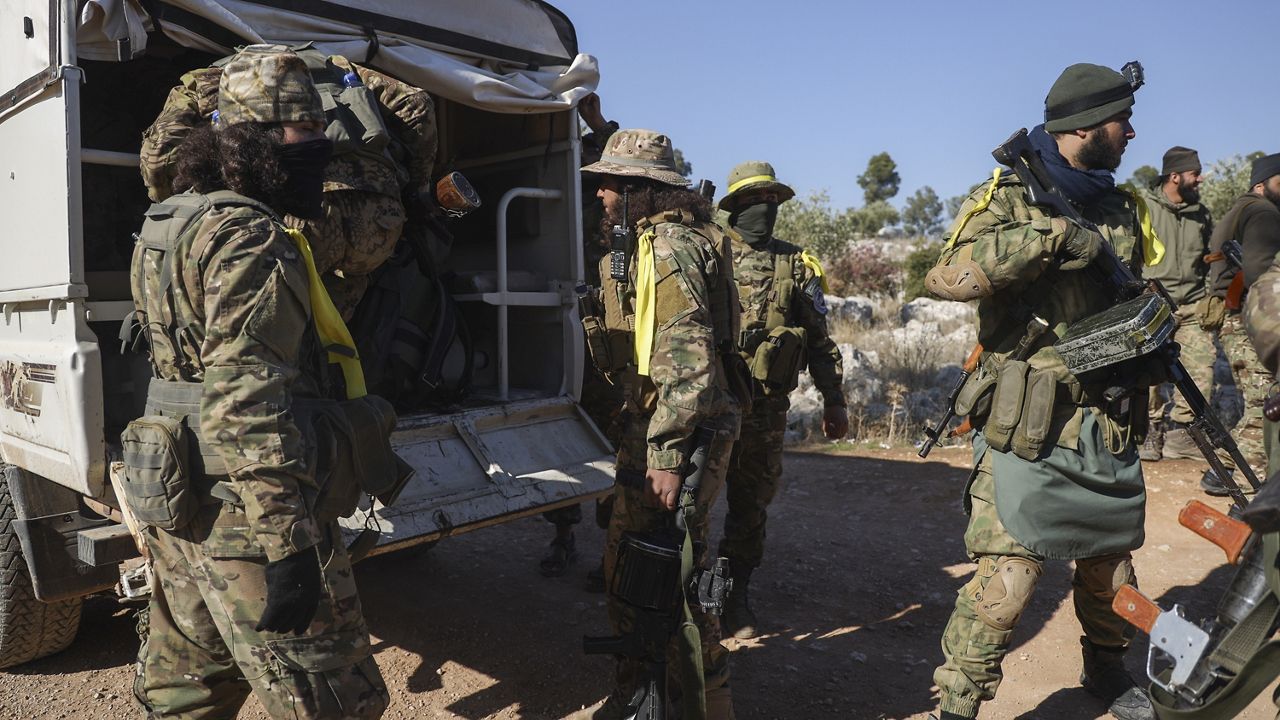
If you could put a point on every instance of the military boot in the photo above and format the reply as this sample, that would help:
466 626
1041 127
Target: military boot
1153 446
1178 444
738 620
1104 676
1211 484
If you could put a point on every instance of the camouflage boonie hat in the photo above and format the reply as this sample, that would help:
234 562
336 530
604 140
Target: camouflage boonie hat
749 177
267 84
1085 95
639 153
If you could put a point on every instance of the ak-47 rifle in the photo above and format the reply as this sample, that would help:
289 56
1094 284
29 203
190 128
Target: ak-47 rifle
1118 279
1233 254
1214 668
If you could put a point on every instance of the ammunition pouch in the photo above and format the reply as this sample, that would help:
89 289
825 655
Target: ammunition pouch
348 447
157 472
1006 405
1211 312
610 349
974 398
777 361
1037 414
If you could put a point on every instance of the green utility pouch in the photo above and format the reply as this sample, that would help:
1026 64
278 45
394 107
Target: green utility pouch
610 349
1006 405
974 399
776 363
1037 414
157 472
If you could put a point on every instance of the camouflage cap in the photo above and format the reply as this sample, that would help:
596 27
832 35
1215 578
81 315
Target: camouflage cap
1085 95
267 84
749 177
639 153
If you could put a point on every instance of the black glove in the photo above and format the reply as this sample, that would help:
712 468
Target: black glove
1079 247
293 592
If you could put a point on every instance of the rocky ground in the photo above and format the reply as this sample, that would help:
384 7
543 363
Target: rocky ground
864 558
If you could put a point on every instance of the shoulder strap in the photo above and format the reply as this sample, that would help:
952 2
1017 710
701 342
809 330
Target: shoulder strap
978 207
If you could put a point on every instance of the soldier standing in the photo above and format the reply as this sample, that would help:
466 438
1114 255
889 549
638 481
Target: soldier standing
253 587
1056 473
1254 222
675 307
784 327
1184 226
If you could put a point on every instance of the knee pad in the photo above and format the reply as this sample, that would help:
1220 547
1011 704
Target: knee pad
1107 573
1001 602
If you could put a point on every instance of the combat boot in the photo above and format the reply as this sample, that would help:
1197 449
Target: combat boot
1211 484
738 620
1178 444
1153 445
1104 676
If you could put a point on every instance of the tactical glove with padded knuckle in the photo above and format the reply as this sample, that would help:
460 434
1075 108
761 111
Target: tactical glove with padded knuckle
1078 247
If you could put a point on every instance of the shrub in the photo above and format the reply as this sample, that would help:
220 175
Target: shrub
864 270
917 265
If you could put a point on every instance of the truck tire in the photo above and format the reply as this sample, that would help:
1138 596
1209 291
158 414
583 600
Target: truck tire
29 628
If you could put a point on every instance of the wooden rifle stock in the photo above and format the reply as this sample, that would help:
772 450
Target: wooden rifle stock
1135 608
1227 533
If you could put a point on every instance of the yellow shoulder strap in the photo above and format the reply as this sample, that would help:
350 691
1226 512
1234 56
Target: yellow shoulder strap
329 325
979 207
646 301
1152 247
810 261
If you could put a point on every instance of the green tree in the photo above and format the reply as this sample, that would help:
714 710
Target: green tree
1145 177
684 167
954 203
880 181
812 223
867 221
1225 181
922 215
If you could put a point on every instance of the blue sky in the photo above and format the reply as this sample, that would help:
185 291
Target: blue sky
817 88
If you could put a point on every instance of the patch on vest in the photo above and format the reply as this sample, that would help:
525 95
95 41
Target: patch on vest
820 301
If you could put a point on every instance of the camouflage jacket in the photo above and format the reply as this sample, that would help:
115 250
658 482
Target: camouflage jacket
1185 229
1262 317
1016 245
686 387
754 272
235 316
407 112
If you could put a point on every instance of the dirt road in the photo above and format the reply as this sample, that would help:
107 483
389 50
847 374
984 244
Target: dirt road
864 558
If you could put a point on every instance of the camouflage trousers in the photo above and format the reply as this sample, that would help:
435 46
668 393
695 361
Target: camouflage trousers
201 656
355 236
988 607
754 476
631 514
1254 434
1198 354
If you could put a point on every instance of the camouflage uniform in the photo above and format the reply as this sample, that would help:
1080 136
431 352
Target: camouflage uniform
365 189
1253 222
1262 320
686 389
228 312
798 302
1184 228
1060 477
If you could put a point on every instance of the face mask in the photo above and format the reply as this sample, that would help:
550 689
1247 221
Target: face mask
304 165
755 222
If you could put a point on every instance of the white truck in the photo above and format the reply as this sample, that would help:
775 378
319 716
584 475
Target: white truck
81 79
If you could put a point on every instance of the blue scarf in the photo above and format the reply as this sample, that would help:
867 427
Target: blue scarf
1082 187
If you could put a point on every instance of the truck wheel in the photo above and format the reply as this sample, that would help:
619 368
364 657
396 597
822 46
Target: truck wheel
29 628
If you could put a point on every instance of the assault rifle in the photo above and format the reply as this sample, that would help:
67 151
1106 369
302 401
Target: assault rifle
1214 668
1119 281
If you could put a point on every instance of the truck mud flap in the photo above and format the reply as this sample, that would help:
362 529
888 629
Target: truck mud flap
489 465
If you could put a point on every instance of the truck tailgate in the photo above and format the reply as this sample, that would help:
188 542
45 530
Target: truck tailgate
483 466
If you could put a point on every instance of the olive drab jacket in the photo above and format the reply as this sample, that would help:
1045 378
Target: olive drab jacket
694 323
1016 245
222 295
778 288
1185 230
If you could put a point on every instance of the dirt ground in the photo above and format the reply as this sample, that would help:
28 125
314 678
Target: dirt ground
863 561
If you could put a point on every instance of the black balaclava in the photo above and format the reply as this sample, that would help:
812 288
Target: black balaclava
304 165
755 222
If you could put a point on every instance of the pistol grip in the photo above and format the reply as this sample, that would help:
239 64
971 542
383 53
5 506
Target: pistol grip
1135 608
1229 534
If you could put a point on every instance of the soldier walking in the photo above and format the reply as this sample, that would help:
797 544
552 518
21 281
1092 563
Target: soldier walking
1056 473
784 327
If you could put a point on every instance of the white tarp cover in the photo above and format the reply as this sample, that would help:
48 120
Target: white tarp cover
512 56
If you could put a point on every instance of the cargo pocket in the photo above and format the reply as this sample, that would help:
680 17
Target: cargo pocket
282 313
1006 405
1037 414
330 675
157 483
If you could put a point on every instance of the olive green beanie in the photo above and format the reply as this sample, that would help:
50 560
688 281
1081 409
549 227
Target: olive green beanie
1085 95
